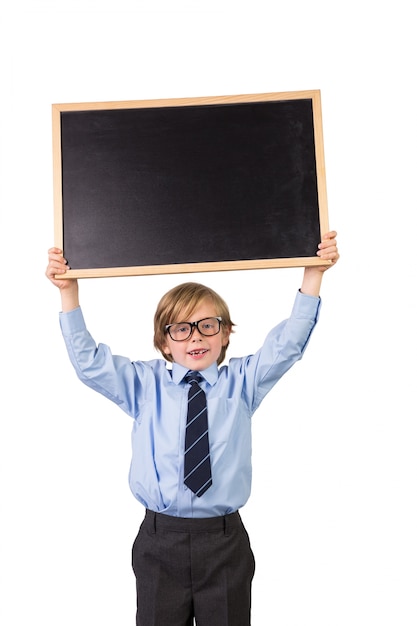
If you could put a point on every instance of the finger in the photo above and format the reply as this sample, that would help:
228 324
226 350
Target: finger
328 252
327 243
58 263
54 250
53 269
332 234
57 270
57 259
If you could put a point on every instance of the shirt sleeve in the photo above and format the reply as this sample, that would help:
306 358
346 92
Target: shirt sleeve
115 377
284 345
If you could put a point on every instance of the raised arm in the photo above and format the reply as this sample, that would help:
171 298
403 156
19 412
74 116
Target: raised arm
327 250
68 287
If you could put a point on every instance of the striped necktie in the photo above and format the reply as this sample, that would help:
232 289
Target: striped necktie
197 468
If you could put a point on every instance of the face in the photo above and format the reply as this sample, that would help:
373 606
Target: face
198 351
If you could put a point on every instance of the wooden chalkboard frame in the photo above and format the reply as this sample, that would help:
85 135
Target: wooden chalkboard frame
62 216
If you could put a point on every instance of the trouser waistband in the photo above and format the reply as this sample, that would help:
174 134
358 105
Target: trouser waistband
161 522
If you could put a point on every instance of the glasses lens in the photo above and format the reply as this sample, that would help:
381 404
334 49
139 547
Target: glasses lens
179 332
209 326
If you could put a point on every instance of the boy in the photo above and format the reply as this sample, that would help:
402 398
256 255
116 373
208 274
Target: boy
192 557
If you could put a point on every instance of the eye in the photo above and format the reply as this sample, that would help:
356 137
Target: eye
180 329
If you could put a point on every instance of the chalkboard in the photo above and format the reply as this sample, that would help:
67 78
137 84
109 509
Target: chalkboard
189 185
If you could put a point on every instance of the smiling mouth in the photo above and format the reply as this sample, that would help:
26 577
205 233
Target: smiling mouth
197 352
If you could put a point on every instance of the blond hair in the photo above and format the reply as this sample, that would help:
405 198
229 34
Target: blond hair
180 302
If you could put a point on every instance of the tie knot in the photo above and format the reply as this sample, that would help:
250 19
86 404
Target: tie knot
193 377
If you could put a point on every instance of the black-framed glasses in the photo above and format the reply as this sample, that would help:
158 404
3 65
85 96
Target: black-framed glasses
181 331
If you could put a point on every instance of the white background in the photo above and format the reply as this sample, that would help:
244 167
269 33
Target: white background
334 529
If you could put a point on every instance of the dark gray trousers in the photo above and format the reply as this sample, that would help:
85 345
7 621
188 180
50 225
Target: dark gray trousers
190 569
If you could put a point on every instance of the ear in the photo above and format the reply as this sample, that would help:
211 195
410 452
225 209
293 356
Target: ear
225 336
166 349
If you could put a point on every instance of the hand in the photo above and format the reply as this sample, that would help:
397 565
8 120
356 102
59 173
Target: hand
313 274
58 265
328 250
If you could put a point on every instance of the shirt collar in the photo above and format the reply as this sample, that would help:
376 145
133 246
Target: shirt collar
210 374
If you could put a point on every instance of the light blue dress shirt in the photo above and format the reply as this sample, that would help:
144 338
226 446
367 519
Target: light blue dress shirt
155 396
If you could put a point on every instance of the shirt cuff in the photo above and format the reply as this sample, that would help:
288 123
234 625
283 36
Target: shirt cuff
306 306
72 321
